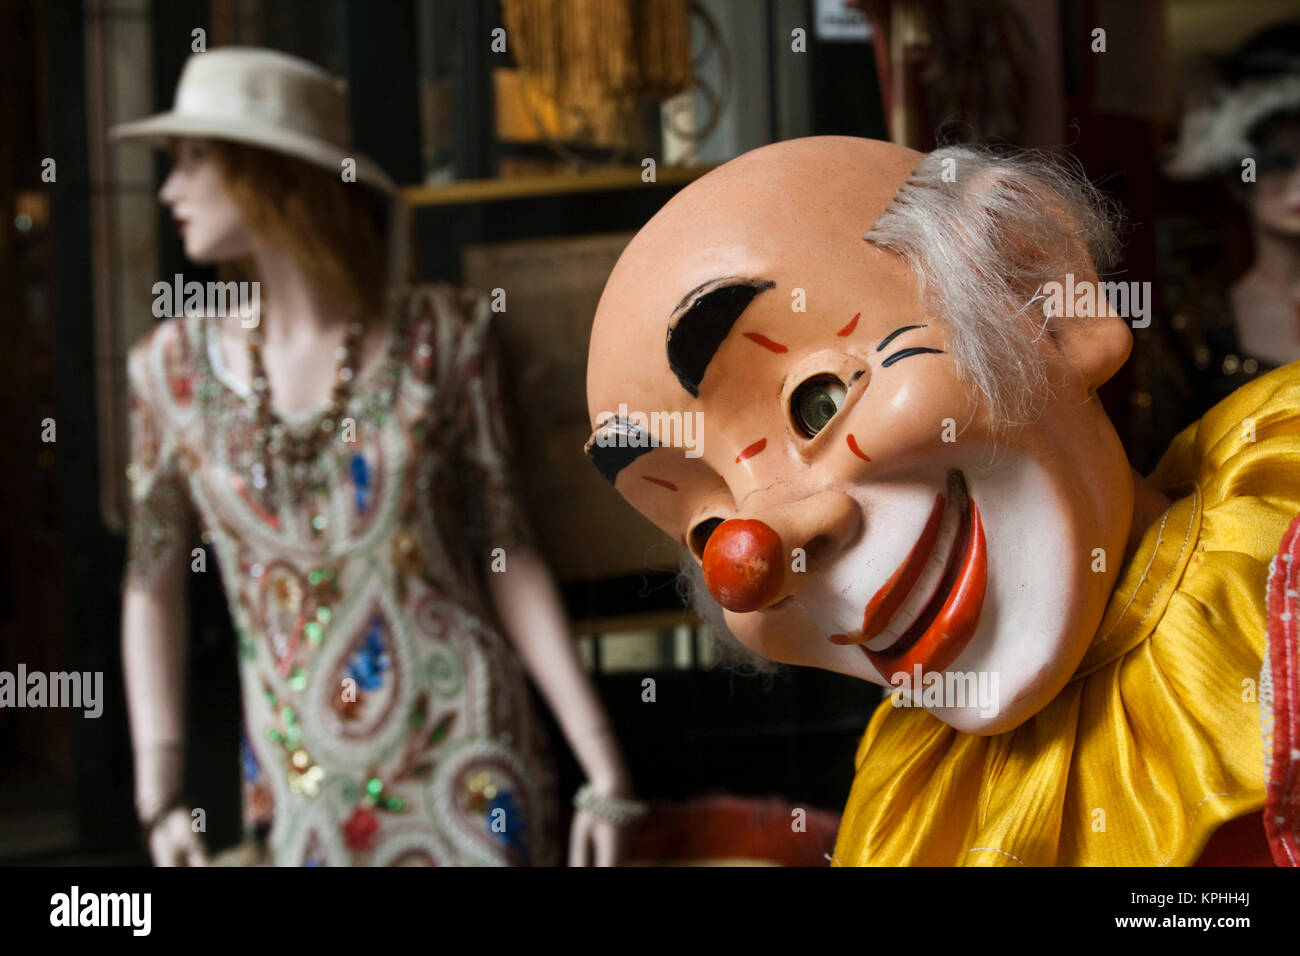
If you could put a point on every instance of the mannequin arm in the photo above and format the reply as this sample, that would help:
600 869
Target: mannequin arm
529 606
153 664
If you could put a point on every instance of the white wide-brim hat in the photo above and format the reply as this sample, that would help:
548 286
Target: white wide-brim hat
261 98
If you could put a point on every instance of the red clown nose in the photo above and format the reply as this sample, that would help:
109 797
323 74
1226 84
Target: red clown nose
743 564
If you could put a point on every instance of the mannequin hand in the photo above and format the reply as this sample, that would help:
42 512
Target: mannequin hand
594 841
173 841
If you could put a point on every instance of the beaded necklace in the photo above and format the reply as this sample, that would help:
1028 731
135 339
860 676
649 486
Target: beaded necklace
272 435
300 449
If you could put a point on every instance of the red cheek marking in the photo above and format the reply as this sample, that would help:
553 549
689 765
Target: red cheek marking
767 343
853 324
659 481
752 450
853 447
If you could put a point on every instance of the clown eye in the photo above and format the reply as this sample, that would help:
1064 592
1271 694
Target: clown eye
815 402
192 151
1276 159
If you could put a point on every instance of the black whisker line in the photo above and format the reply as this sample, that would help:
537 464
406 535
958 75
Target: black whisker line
905 353
895 334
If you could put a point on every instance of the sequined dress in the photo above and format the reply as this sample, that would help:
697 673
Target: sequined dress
386 717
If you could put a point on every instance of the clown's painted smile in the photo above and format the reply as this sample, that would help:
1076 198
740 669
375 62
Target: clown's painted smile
929 609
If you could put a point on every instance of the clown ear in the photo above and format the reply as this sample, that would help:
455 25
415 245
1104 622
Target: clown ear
986 234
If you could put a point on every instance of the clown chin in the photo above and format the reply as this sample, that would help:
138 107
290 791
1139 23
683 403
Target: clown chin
1030 632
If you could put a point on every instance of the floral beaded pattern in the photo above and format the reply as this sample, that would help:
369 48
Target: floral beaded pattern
387 721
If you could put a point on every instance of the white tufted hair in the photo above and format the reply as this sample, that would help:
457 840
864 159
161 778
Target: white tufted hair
983 231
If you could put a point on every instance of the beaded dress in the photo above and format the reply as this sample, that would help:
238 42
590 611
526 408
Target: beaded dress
386 717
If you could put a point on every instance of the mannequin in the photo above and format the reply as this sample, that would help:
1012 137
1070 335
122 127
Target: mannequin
1266 299
908 478
319 443
1247 135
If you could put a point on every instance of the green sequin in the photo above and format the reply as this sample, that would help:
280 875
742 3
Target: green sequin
313 632
374 786
323 614
299 681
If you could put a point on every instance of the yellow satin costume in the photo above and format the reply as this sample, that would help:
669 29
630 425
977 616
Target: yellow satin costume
1156 740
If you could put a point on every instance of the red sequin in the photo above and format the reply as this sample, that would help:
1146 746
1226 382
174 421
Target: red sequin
360 830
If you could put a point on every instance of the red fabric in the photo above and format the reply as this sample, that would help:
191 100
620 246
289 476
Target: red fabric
1239 842
1272 836
730 827
1282 804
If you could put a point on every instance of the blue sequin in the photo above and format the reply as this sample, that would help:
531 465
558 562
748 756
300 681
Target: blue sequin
514 835
248 760
361 481
370 660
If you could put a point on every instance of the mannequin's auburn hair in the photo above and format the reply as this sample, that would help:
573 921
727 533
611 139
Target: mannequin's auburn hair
332 228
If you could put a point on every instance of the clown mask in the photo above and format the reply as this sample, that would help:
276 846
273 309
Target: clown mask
897 465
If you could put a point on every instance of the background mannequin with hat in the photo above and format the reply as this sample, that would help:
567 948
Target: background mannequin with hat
1243 132
344 452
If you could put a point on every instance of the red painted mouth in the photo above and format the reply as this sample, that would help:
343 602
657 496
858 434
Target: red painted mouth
948 620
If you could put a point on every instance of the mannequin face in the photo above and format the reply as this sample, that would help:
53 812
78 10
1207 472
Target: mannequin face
876 519
1274 198
210 221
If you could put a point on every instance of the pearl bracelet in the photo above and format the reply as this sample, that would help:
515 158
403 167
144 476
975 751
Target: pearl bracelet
616 810
148 826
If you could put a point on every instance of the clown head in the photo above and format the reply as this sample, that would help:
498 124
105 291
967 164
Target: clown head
899 465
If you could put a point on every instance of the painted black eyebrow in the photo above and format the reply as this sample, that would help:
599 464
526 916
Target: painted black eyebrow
895 334
695 337
904 353
630 442
690 295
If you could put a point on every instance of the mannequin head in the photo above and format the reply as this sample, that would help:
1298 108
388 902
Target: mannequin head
1243 126
1273 200
904 463
232 201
